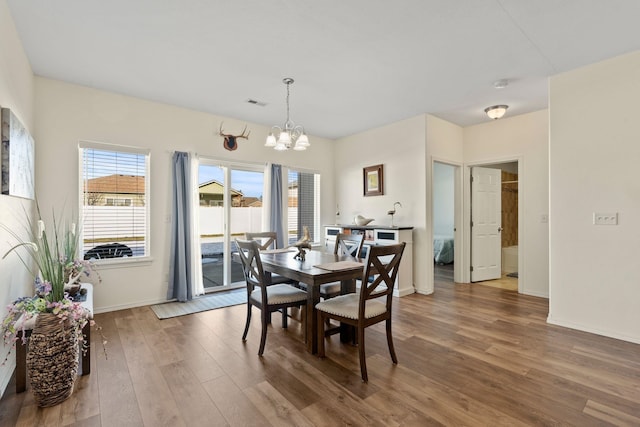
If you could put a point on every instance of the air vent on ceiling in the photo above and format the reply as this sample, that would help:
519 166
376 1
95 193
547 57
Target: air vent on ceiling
254 102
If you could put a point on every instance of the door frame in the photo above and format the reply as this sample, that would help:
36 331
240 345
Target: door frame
458 254
466 273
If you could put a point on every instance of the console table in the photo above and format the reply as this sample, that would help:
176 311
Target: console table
21 349
380 235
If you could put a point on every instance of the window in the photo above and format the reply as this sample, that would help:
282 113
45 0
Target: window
114 183
303 206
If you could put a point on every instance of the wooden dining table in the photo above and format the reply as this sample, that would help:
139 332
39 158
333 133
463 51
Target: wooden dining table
342 268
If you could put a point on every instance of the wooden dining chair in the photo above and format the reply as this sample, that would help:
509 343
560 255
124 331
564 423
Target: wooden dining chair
346 244
268 240
366 308
266 298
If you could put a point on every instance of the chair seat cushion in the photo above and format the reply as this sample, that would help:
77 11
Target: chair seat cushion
347 306
280 294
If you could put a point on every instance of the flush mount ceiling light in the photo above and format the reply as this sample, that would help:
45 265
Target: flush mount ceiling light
496 111
290 135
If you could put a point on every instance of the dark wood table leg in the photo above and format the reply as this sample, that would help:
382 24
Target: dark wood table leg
21 364
313 297
86 355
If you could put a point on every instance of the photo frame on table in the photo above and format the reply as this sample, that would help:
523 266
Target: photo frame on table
373 180
17 162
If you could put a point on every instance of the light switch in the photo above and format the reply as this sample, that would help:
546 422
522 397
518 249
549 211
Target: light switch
605 218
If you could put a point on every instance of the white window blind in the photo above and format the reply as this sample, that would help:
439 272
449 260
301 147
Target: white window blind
303 207
115 201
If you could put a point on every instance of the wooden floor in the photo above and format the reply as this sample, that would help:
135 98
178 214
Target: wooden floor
468 355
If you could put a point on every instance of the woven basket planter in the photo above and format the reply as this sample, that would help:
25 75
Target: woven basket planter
52 360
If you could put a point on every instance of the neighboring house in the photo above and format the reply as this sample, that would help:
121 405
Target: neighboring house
252 202
211 194
115 190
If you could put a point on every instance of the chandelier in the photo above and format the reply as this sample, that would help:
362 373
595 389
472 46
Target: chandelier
290 135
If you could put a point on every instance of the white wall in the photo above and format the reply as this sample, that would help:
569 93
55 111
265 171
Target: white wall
400 147
523 138
69 113
16 93
594 281
443 201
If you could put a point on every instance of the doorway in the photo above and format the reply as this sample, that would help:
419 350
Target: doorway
230 205
508 248
446 221
443 222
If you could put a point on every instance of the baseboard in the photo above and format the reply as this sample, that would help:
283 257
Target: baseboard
107 309
6 371
403 292
585 328
535 294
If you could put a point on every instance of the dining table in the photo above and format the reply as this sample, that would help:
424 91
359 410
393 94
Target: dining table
317 268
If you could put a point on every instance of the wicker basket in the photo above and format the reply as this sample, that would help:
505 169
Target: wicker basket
52 360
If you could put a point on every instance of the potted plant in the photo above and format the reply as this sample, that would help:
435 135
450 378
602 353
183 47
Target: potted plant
52 355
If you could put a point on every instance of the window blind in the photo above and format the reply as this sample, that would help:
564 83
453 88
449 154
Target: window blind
114 203
303 204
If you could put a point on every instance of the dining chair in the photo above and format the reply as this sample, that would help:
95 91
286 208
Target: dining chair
268 240
366 308
266 298
346 244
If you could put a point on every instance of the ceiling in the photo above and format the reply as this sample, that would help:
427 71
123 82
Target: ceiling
357 64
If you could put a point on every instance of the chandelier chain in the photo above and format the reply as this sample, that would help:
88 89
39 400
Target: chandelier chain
288 84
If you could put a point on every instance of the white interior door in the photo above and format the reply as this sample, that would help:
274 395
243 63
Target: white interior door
485 224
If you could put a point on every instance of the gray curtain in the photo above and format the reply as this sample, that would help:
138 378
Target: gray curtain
180 271
276 204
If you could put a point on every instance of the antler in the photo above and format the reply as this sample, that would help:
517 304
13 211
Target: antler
242 135
235 136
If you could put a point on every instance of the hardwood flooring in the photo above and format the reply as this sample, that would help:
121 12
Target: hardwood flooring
468 355
443 274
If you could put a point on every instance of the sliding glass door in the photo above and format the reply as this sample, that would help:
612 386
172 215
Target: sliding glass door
230 204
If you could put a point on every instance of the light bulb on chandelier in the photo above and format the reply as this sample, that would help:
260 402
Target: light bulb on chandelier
289 136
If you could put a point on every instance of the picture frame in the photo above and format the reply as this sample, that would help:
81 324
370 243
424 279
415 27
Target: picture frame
16 157
373 180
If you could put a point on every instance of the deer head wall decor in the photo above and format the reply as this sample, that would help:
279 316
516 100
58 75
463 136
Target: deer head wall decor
230 142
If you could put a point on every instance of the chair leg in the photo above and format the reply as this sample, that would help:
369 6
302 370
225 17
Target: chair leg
320 334
246 326
285 321
392 350
304 324
263 337
363 359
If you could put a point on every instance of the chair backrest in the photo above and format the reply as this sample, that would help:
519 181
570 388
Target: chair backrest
266 239
249 252
382 263
349 244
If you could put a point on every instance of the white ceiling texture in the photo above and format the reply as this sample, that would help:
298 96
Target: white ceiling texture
357 64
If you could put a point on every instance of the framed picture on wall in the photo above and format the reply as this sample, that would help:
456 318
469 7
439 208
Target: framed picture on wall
16 157
373 180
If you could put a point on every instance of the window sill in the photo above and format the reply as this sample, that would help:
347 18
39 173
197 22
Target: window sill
108 263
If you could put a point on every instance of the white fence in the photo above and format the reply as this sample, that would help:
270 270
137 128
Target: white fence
242 220
100 222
